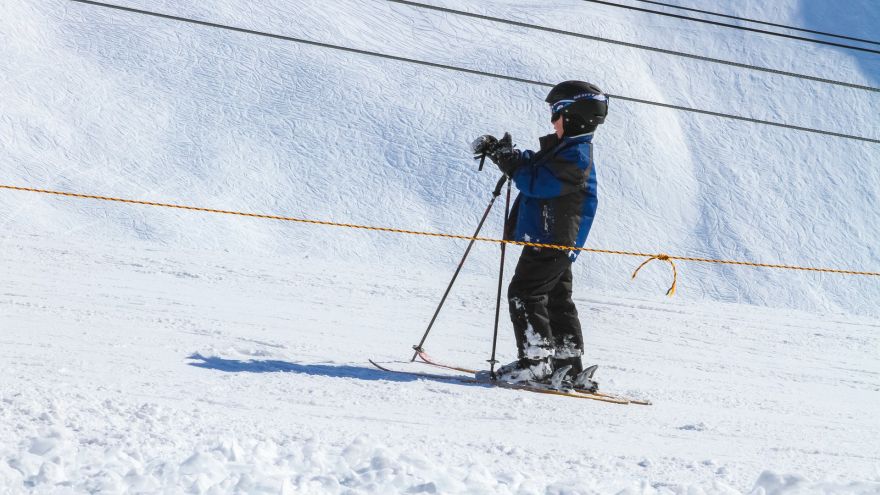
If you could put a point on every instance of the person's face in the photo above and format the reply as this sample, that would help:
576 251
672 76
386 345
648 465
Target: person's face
557 124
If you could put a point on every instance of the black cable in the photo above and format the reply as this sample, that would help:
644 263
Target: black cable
761 22
631 45
734 26
460 69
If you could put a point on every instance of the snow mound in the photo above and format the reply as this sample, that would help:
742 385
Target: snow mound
770 483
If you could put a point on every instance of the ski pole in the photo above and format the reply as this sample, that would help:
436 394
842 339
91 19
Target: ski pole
497 192
492 360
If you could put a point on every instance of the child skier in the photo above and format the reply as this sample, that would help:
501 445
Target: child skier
556 205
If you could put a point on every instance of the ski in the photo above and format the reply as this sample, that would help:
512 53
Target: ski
432 376
472 379
426 359
429 360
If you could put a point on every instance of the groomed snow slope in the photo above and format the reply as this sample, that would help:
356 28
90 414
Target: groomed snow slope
168 371
106 102
151 350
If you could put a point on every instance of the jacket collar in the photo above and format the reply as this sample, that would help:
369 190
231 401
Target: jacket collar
550 141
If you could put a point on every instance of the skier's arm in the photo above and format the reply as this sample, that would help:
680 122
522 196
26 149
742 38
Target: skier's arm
549 177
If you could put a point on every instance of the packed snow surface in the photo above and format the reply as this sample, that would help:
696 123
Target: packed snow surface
148 350
161 370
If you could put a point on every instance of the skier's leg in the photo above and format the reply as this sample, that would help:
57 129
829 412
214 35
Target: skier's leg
537 272
568 336
527 296
566 326
531 326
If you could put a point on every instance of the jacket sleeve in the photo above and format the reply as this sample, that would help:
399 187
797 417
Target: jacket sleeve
550 176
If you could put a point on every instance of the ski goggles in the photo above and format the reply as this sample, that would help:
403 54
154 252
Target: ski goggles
557 107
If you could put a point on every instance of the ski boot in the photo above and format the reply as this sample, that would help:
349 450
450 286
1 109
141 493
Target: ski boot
524 371
565 380
584 382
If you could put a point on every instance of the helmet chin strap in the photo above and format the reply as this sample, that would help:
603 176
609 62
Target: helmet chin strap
579 135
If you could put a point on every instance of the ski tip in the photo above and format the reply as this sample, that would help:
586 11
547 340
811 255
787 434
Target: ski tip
374 363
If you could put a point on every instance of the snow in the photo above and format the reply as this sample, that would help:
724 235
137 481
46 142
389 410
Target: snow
147 350
187 370
535 347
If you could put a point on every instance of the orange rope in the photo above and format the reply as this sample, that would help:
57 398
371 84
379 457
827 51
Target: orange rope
651 257
661 257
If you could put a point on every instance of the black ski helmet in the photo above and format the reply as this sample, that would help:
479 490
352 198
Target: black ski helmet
583 106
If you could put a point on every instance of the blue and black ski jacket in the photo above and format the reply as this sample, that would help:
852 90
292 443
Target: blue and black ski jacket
558 192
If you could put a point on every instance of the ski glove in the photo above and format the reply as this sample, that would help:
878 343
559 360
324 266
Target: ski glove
501 152
484 144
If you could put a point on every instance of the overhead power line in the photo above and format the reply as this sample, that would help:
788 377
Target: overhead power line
630 45
735 26
465 70
793 28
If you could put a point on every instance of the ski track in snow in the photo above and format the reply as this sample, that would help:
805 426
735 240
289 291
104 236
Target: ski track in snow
175 370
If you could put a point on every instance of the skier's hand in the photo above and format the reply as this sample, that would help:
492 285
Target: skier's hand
484 145
504 155
500 151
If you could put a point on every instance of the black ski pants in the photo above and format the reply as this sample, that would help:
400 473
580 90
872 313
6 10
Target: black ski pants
545 319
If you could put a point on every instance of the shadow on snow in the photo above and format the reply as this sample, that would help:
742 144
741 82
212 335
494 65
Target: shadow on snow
327 370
